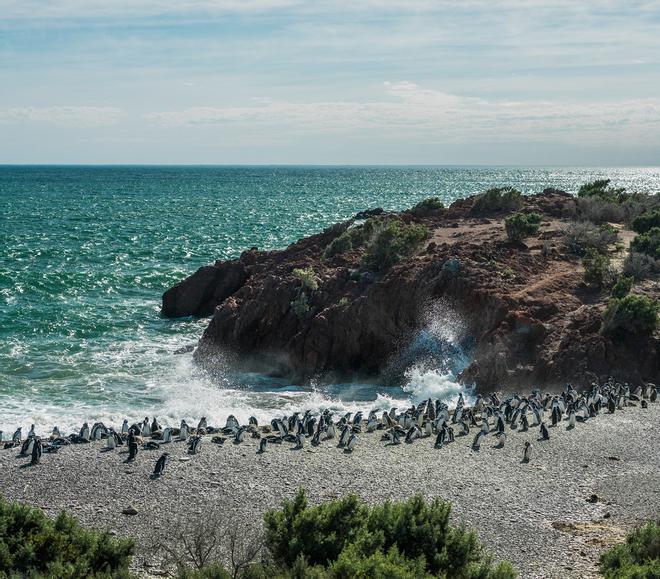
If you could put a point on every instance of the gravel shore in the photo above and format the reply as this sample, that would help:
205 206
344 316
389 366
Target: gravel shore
541 516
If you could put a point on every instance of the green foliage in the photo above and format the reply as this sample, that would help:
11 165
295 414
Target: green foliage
648 243
31 544
601 189
581 236
632 314
623 286
521 225
637 558
596 268
641 266
427 205
498 199
339 245
413 538
391 240
307 278
300 305
646 221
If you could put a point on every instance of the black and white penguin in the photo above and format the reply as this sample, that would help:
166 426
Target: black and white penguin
167 435
240 435
31 432
132 447
195 444
545 435
501 439
16 437
155 427
183 431
611 405
55 433
160 464
572 417
352 441
27 446
316 439
124 426
524 423
262 445
440 439
37 450
146 427
644 404
330 431
345 435
84 432
112 441
476 443
527 453
413 433
653 394
300 440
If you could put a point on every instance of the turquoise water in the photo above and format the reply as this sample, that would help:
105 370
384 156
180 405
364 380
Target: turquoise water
86 253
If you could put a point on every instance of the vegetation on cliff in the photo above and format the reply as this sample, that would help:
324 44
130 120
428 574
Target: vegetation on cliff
637 558
498 199
631 315
521 225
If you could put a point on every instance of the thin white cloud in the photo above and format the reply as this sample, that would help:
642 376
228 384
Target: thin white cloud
69 116
417 113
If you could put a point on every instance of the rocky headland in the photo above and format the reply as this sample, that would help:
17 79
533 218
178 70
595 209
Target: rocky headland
339 304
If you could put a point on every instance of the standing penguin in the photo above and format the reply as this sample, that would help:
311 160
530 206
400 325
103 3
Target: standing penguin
112 443
300 441
26 448
160 464
262 445
132 447
350 445
37 450
527 453
146 428
16 437
124 426
167 435
545 435
31 433
195 444
183 431
84 432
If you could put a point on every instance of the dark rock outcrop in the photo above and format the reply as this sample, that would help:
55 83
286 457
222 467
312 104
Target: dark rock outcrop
533 321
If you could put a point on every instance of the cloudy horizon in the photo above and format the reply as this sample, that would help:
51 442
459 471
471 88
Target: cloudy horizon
295 82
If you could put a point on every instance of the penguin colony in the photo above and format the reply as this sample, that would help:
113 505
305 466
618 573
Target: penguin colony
489 415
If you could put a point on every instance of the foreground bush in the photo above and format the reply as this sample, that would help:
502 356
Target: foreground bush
597 270
580 236
641 266
648 243
498 199
348 538
646 221
631 315
623 286
390 241
637 558
521 225
427 206
33 545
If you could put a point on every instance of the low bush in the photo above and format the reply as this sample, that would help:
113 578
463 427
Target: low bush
632 314
426 206
498 199
648 243
599 210
32 545
339 245
521 225
597 270
602 190
637 558
582 235
641 266
307 278
391 240
646 221
636 204
622 286
413 538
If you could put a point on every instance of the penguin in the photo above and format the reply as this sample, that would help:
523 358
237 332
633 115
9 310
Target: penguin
485 427
524 423
571 419
84 432
300 441
31 433
527 453
393 436
160 465
372 424
183 431
97 431
316 439
611 405
231 423
37 449
545 435
644 404
146 428
195 444
345 435
350 445
124 426
412 434
55 433
440 439
262 445
476 444
132 447
653 396
167 435
330 431
501 438
26 448
16 437
428 428
239 436
112 442
252 421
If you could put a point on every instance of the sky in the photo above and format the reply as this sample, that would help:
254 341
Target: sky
487 82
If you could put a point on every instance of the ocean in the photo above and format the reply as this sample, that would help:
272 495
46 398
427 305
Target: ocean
86 253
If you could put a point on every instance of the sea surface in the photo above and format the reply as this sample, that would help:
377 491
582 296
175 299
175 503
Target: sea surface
86 253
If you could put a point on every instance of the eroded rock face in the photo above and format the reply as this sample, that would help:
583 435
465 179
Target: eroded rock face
532 319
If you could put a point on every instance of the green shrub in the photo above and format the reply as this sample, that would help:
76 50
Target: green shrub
637 558
498 199
648 243
339 245
31 544
300 305
521 225
622 286
601 189
412 538
427 206
307 278
596 268
581 236
599 210
632 314
391 240
641 266
646 221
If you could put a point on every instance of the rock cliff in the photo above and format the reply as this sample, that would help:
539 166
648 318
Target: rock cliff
532 319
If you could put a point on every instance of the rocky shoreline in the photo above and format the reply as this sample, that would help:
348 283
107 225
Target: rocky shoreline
526 308
551 517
